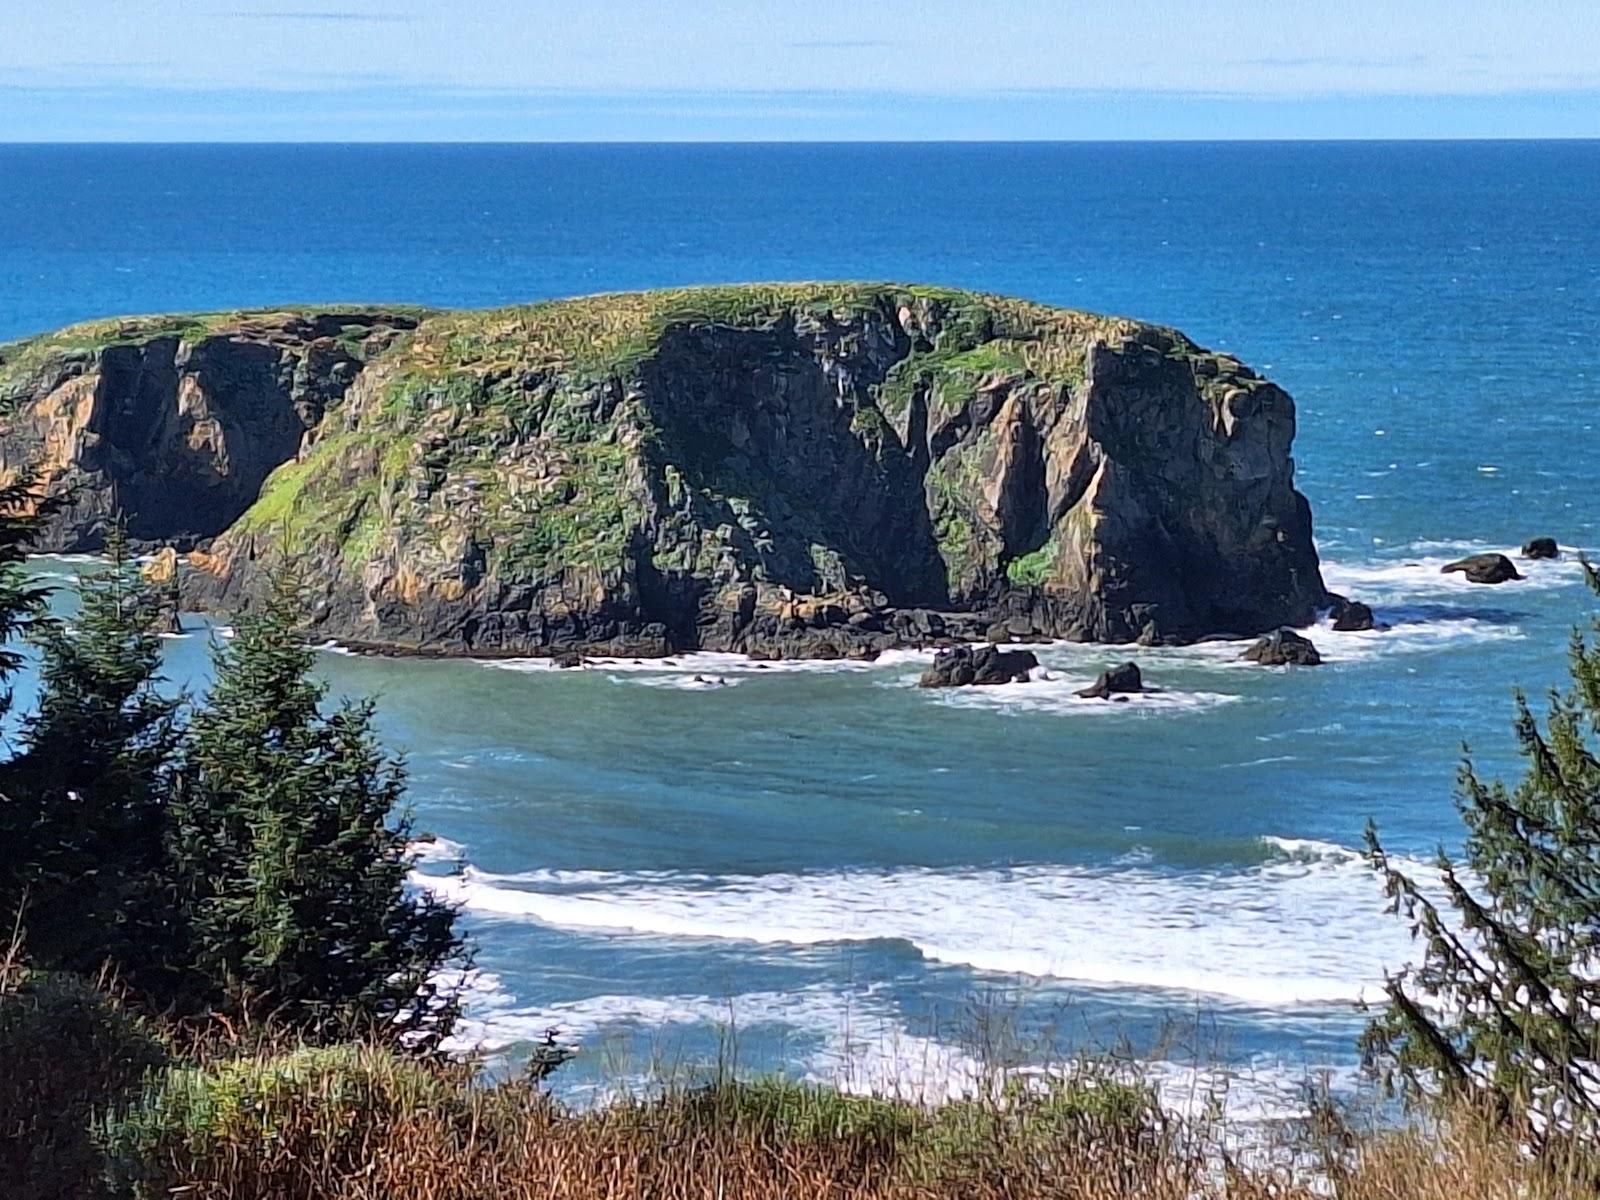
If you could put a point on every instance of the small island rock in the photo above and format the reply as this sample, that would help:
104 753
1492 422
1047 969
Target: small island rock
1541 547
1115 682
1285 648
1350 616
1484 568
980 666
848 521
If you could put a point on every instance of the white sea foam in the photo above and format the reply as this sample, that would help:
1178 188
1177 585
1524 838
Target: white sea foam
703 662
857 1042
1420 577
1408 635
437 850
1053 692
684 683
1305 927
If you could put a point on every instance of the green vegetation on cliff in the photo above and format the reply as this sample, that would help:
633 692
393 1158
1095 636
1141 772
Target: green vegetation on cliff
654 471
445 428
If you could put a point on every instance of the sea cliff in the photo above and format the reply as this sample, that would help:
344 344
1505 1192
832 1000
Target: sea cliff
809 469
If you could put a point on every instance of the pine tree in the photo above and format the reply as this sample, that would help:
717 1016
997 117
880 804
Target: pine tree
290 840
22 602
1504 1006
82 824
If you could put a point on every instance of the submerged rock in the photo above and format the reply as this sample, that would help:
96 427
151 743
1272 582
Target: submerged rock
1484 568
978 666
1283 648
806 469
1541 547
1122 680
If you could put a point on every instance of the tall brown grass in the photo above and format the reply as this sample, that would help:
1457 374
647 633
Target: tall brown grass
357 1123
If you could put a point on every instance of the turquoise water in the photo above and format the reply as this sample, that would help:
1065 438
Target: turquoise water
877 884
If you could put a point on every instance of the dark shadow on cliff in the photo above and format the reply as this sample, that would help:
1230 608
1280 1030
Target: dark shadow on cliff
769 450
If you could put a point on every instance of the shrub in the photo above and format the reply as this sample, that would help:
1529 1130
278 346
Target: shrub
272 1125
68 1052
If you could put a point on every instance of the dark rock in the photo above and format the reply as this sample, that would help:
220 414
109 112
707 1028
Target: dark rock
1283 648
978 666
567 660
1541 547
999 634
1115 681
1350 616
1484 568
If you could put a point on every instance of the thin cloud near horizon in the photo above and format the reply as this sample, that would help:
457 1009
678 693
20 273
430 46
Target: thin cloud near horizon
895 66
301 15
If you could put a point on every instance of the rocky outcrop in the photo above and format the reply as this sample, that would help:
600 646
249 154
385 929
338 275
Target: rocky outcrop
1350 616
1283 648
174 424
816 469
1115 681
978 666
1541 547
1484 568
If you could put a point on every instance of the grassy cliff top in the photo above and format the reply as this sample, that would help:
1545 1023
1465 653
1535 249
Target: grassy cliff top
604 334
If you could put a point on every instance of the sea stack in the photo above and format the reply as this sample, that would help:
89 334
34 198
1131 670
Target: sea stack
799 469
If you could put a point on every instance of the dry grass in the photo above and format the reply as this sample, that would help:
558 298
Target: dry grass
356 1123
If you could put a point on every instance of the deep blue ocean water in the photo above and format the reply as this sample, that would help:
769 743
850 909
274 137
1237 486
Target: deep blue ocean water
827 870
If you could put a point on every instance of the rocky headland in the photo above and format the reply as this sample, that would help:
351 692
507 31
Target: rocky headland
799 470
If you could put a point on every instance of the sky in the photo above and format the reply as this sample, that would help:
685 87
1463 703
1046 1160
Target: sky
665 70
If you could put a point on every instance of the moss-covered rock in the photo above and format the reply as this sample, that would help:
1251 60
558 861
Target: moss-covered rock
755 467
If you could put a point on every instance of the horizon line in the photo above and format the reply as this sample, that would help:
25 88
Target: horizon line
1242 139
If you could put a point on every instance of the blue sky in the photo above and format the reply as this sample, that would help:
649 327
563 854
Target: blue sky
76 70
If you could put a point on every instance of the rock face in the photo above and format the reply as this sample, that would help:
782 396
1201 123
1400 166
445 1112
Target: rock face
1484 568
808 469
176 424
1115 681
1283 648
1541 547
978 666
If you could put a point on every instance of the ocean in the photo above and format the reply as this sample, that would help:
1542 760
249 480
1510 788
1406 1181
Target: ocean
819 868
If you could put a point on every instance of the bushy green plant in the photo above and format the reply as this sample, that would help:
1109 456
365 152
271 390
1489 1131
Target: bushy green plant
264 1124
67 1053
1033 569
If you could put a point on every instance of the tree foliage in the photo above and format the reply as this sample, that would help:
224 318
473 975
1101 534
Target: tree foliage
1505 1003
246 857
22 601
288 835
83 819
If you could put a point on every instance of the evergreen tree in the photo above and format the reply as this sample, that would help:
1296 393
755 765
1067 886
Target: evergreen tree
1505 1004
290 841
22 603
82 824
